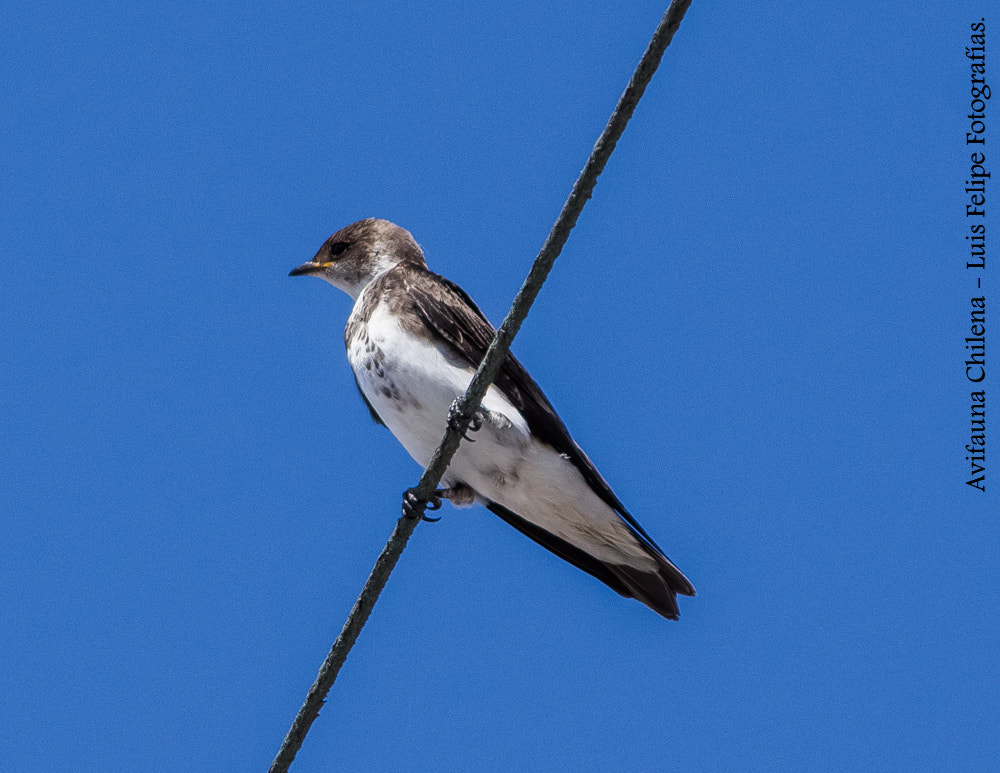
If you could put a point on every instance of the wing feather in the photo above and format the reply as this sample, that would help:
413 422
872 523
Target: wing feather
452 318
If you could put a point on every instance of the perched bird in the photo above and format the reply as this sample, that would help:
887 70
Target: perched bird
414 340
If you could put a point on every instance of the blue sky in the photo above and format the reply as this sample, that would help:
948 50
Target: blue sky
756 332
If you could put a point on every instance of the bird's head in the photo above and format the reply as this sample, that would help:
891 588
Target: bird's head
361 252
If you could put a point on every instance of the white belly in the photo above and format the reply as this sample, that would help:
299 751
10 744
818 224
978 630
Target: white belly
411 384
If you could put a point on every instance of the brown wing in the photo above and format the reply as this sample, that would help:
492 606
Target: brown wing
453 318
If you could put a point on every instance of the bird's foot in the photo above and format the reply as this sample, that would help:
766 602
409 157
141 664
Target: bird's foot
414 507
475 423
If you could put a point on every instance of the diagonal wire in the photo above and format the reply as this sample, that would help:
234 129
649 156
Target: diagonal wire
487 371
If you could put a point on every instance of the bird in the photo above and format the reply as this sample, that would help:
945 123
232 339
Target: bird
414 340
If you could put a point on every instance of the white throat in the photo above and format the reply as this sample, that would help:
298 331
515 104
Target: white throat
353 279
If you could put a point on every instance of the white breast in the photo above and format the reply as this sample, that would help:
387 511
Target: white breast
411 384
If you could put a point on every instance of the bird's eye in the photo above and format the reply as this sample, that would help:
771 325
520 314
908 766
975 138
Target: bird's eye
338 248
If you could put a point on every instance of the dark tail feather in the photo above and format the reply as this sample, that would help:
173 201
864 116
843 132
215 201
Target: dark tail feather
657 590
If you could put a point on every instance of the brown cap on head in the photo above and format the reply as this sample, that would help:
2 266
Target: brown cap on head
358 253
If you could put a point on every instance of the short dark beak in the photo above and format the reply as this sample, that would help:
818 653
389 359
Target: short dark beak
312 267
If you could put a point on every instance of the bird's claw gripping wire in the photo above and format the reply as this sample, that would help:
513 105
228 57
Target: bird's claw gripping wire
414 507
455 412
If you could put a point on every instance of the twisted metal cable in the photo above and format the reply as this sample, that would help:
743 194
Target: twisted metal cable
583 188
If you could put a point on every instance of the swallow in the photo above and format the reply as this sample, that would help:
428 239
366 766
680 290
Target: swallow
414 340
